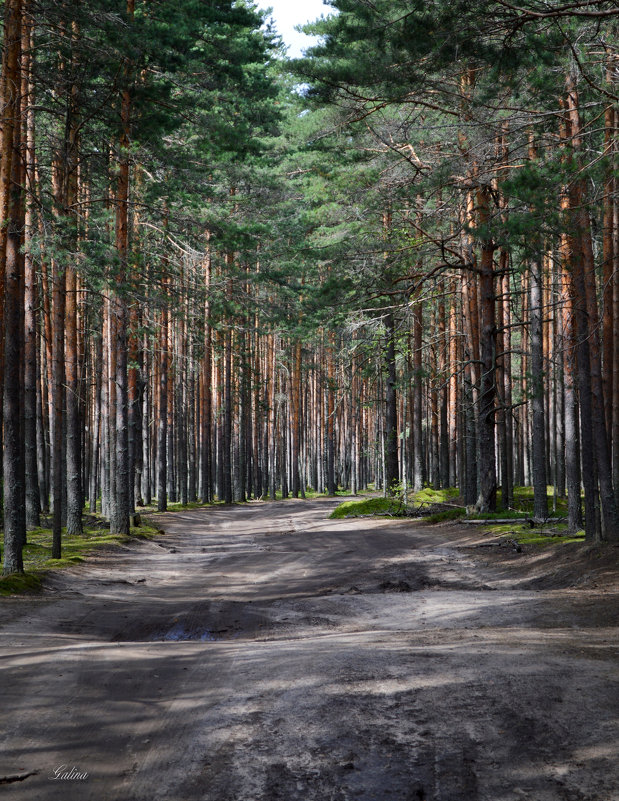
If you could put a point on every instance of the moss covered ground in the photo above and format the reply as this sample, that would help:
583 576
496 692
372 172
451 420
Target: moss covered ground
521 532
368 506
543 534
37 554
539 535
395 507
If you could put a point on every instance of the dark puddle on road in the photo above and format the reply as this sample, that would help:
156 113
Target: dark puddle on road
180 633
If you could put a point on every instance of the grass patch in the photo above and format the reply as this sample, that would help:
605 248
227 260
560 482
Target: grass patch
19 583
523 502
393 506
37 554
448 514
368 506
430 495
523 534
429 499
509 514
538 536
310 494
177 506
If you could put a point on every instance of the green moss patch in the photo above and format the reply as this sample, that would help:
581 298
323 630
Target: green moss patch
538 536
19 583
37 554
510 514
448 514
176 506
523 503
368 506
179 507
427 498
429 495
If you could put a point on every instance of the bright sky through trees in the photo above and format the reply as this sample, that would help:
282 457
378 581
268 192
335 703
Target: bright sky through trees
287 15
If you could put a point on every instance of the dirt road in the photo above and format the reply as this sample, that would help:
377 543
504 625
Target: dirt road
266 653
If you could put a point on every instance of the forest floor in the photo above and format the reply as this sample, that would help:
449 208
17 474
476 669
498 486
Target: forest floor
266 653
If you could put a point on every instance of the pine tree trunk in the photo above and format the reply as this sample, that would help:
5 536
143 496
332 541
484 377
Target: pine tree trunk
105 456
608 246
227 419
443 391
172 454
572 433
58 317
119 522
503 412
558 390
296 420
13 444
391 408
162 427
9 80
330 423
67 201
593 428
33 495
610 516
206 416
96 428
615 337
486 501
134 414
540 497
74 467
454 434
416 406
434 454
508 482
471 356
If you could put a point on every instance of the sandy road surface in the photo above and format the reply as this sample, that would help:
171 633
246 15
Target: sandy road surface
265 653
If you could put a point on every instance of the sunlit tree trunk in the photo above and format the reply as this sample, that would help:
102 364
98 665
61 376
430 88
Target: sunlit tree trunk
540 497
33 496
330 422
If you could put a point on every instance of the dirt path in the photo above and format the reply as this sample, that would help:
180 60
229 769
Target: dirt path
265 653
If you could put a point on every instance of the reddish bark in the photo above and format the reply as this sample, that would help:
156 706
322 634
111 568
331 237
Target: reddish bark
486 501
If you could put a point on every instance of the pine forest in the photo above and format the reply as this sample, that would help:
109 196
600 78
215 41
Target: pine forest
240 291
393 262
